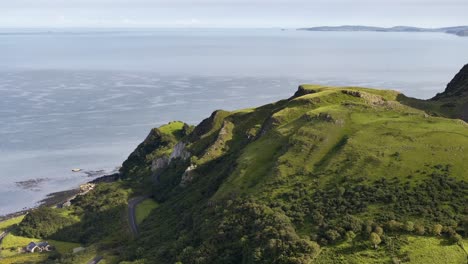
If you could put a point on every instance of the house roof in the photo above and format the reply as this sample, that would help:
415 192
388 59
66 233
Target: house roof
42 244
31 246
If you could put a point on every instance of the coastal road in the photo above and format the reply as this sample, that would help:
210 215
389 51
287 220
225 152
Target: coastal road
3 235
132 204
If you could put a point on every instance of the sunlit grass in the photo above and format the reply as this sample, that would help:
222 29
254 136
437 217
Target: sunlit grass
144 208
10 222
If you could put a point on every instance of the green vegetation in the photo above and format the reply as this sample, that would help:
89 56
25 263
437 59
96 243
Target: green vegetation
25 258
9 223
13 242
12 246
330 175
401 249
144 208
327 166
42 223
96 220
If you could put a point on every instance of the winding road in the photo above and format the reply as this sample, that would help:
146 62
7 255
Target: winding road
132 204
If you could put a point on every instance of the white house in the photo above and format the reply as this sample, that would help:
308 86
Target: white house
38 247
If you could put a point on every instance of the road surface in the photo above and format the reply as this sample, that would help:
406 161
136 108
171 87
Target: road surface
3 235
132 204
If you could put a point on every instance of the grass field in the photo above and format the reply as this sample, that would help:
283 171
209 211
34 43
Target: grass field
431 250
418 250
350 132
144 209
24 258
10 222
172 128
12 245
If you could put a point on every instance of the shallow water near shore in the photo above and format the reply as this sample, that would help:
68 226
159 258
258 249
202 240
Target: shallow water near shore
85 99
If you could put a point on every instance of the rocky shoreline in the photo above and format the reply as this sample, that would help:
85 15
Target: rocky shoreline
62 197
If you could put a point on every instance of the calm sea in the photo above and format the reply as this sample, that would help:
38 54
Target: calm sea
86 98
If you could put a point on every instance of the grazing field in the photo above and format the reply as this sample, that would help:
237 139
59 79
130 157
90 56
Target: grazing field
12 245
25 258
144 209
431 250
415 250
10 222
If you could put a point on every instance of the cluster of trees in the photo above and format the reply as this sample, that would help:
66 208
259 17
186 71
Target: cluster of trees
102 214
99 213
236 231
43 222
438 199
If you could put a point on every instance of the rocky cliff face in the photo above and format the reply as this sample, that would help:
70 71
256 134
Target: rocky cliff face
160 147
457 87
453 102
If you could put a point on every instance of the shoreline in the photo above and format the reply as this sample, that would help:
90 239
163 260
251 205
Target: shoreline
61 197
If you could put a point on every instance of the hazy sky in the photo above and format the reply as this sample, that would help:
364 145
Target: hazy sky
230 13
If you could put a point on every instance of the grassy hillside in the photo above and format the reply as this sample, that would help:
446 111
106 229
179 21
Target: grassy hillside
330 175
275 183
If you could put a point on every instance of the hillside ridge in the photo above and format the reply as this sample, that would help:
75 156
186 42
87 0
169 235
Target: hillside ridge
308 172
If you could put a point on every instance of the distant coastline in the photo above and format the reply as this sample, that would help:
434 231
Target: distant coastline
461 31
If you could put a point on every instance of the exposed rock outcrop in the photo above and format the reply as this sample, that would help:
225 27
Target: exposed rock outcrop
369 98
188 175
180 151
219 146
457 87
301 91
160 163
208 124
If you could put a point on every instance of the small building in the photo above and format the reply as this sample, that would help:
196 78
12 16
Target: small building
38 247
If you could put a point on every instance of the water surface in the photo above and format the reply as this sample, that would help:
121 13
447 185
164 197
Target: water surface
86 98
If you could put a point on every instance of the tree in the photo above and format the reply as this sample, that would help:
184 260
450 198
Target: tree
419 229
465 225
393 225
374 238
437 229
367 227
456 238
379 231
332 235
350 235
352 223
409 226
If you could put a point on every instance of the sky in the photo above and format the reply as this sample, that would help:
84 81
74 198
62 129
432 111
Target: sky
231 13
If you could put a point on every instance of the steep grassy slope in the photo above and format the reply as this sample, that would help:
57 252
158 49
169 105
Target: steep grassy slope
330 164
330 175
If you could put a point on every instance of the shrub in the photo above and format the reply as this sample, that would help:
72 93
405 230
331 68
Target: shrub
437 229
374 238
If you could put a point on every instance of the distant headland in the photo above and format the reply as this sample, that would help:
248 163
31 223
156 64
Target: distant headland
461 31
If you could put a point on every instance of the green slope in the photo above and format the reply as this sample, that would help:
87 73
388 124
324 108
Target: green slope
274 183
330 175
